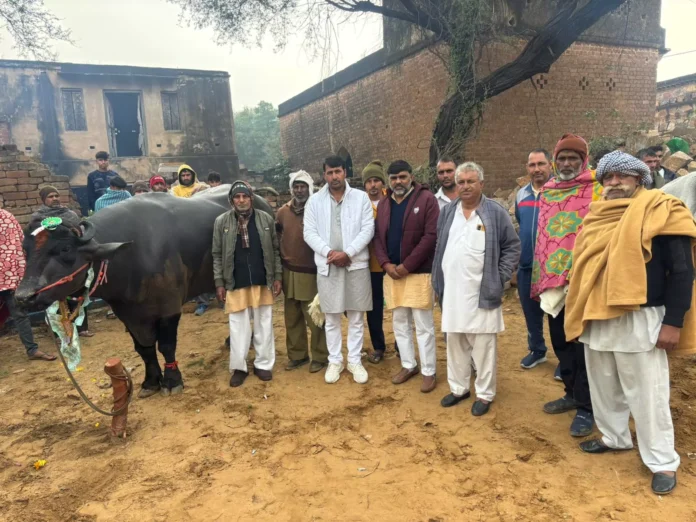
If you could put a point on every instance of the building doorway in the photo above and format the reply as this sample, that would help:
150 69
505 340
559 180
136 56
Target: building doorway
124 122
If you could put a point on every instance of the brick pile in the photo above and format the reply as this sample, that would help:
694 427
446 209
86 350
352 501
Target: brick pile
21 178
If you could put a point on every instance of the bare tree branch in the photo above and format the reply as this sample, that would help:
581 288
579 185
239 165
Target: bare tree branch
32 27
540 53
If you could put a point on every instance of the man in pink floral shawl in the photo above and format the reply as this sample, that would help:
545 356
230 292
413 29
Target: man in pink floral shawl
564 202
12 264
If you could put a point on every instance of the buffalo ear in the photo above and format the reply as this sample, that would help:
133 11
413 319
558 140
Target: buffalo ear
103 250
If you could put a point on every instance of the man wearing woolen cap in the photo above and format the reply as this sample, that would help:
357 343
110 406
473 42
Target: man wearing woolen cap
248 275
564 202
374 182
157 184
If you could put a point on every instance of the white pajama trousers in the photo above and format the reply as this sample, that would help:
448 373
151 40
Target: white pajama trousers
334 338
461 349
240 338
636 384
402 323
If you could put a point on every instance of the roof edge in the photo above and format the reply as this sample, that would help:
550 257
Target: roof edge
676 82
128 70
380 60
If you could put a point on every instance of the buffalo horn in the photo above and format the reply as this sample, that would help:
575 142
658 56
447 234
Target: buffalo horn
88 231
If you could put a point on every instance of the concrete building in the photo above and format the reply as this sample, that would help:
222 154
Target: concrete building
384 106
676 105
65 113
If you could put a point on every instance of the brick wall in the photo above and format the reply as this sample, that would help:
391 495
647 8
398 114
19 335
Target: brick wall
593 90
21 178
676 104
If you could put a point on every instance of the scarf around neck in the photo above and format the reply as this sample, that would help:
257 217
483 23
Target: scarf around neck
243 220
562 207
296 208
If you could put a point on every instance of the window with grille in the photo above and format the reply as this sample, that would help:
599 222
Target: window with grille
74 110
170 111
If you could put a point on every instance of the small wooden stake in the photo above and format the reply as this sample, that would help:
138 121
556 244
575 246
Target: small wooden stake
114 369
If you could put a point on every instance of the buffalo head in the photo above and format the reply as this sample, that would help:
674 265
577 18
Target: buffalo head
53 255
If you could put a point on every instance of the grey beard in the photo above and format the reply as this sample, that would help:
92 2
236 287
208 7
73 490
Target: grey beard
568 177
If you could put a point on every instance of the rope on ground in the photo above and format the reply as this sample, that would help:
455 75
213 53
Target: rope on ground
126 377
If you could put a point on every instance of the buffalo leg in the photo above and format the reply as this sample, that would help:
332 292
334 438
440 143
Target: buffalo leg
153 373
166 339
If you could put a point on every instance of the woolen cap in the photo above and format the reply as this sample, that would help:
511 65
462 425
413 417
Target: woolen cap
374 169
156 179
574 143
45 191
239 187
140 186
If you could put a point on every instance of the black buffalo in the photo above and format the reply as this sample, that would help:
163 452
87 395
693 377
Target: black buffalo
159 252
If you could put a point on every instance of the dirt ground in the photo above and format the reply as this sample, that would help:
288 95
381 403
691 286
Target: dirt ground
298 449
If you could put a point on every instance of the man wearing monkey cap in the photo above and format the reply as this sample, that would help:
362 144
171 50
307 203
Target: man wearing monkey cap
248 275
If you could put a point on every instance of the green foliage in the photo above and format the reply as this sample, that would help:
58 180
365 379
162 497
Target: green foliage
601 143
278 176
257 131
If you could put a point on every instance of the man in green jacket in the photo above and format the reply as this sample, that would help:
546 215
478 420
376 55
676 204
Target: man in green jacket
248 275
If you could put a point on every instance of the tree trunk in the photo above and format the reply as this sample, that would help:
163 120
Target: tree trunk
540 53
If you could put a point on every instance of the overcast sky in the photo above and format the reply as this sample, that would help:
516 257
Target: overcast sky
148 33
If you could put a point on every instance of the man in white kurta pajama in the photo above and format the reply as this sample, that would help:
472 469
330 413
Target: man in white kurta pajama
338 226
629 308
477 250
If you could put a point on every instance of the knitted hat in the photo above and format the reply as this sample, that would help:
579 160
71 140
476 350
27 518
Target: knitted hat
141 186
574 143
374 169
156 179
239 187
45 191
624 163
303 177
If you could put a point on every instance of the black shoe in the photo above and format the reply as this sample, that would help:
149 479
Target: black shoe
451 399
595 446
264 375
294 365
238 378
663 484
480 408
582 424
561 405
317 366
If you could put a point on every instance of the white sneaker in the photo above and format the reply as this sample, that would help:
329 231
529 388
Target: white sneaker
333 372
359 372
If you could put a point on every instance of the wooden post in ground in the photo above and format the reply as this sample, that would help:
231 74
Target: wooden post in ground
115 370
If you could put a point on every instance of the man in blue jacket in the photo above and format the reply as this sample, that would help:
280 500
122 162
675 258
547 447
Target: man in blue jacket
527 214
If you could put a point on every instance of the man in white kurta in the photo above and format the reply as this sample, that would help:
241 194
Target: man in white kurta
338 226
476 253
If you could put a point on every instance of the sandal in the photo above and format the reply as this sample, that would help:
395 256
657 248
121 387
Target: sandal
41 356
86 333
110 315
375 357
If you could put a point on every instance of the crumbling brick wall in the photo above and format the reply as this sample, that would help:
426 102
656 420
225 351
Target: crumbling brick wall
21 178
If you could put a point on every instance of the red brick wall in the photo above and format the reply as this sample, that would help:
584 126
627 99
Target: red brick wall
390 113
21 178
676 107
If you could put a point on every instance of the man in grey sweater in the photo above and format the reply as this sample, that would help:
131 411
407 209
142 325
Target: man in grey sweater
477 252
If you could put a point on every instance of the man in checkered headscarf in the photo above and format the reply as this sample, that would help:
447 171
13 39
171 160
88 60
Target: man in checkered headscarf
622 163
630 302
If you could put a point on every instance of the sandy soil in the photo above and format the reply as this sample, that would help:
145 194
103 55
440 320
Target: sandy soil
298 449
